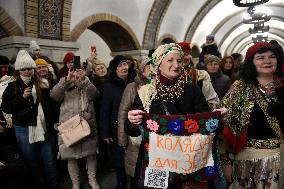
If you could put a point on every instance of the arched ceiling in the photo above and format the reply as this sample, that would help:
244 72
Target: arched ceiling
151 20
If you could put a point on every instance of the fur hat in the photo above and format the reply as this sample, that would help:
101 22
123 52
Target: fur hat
255 48
24 60
41 61
4 60
68 57
164 50
116 61
185 46
212 58
33 46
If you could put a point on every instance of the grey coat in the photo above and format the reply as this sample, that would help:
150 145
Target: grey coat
69 94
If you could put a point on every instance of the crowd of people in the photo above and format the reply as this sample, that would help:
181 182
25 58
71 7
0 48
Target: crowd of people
130 103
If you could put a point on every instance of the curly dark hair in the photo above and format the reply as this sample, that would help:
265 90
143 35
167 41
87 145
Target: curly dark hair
248 70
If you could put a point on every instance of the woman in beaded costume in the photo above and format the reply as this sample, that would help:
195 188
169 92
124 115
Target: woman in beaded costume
167 94
254 122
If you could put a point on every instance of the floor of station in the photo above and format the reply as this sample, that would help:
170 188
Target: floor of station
106 176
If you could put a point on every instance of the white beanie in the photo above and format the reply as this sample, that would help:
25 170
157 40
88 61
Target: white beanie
24 60
33 46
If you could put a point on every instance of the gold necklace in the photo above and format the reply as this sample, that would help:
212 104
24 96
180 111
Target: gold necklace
168 93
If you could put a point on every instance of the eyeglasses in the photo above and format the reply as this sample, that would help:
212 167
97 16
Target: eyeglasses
26 69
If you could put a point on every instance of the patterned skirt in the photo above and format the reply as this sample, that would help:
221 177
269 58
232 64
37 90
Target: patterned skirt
256 169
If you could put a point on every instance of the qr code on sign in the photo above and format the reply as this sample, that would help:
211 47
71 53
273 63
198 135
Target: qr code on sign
156 178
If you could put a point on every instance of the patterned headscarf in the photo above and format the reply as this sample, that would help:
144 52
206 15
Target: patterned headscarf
162 51
148 92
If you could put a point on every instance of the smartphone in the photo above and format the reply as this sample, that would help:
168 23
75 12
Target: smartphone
77 62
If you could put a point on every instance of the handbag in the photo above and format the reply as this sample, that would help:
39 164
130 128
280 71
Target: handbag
75 128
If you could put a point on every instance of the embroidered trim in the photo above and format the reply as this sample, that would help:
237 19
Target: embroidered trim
273 122
263 144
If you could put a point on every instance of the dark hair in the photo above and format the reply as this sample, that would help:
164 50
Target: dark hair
248 70
151 51
224 61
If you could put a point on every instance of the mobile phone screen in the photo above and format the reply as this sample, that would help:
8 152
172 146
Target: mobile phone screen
77 62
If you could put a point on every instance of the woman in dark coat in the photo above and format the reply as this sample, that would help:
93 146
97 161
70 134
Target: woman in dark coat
220 81
28 103
167 94
112 94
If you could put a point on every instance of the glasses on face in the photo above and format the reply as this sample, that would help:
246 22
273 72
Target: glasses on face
26 69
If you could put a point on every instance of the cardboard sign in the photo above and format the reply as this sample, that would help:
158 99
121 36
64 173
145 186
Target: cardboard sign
180 154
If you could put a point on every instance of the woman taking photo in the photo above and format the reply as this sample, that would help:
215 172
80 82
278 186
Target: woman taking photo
167 94
252 131
27 101
76 94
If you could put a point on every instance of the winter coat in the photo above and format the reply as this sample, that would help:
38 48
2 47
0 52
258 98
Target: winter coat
112 94
69 94
131 143
221 83
24 110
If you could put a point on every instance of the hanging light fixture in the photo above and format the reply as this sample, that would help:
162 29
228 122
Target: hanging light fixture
257 16
249 3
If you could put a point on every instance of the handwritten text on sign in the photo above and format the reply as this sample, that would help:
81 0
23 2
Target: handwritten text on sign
180 154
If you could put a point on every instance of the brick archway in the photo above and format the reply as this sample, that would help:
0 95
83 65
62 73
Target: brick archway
8 24
113 30
153 24
208 5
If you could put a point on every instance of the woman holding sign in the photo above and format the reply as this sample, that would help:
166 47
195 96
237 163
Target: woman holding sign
167 95
254 122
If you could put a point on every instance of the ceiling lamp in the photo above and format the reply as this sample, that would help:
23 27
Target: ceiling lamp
248 3
256 15
259 28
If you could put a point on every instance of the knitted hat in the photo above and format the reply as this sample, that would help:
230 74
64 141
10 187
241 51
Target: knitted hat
210 37
33 46
143 63
185 46
212 58
41 61
24 60
255 48
4 60
164 50
116 61
68 57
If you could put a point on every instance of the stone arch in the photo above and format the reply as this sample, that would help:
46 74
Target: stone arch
202 12
113 30
167 38
153 24
8 25
236 25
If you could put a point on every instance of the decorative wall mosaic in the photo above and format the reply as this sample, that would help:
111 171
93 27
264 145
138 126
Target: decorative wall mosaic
50 18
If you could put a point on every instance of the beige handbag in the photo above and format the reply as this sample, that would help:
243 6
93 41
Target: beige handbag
75 128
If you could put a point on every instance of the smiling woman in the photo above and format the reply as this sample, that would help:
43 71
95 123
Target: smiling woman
254 123
167 94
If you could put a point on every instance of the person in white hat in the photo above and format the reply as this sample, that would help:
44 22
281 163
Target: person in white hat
34 50
27 101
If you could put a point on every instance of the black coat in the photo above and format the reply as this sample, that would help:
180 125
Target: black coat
221 83
24 110
111 97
